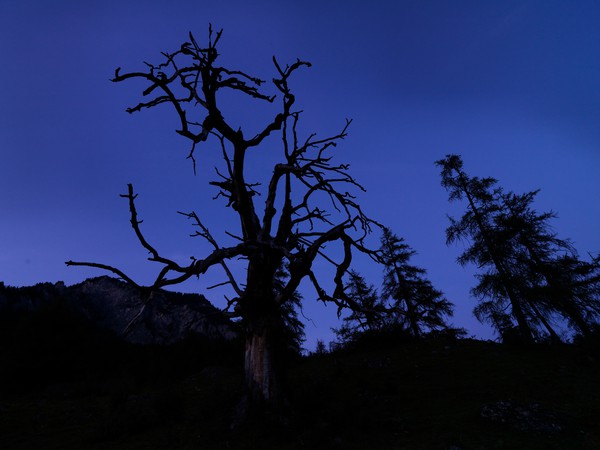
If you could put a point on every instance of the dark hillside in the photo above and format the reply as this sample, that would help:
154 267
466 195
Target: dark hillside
52 334
438 394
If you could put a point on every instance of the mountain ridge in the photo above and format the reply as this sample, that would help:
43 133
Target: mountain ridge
162 318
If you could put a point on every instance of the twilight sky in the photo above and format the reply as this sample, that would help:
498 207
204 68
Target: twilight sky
512 86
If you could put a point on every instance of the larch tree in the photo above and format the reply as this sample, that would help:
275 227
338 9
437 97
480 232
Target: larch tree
415 304
306 205
408 302
486 250
370 317
555 276
529 274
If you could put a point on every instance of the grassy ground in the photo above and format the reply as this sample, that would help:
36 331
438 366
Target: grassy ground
409 396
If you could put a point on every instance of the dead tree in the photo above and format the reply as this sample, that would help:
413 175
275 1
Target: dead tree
302 184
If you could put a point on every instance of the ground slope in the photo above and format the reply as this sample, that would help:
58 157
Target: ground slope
431 395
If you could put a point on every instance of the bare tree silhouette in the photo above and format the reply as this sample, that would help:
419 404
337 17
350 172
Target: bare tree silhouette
307 204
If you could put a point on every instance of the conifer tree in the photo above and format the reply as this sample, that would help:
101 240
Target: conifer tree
417 305
409 302
487 250
529 275
557 278
370 317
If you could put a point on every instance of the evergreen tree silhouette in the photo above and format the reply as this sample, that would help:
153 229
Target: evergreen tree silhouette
414 300
370 317
529 275
556 277
409 303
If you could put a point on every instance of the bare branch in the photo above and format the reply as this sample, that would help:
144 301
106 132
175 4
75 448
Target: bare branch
108 268
205 233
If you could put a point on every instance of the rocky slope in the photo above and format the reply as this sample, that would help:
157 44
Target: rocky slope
163 318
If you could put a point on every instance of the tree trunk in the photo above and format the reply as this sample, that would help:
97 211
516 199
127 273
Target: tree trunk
554 337
413 319
263 326
263 401
261 374
575 315
524 328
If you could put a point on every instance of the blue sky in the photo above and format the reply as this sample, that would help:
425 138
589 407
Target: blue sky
513 86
